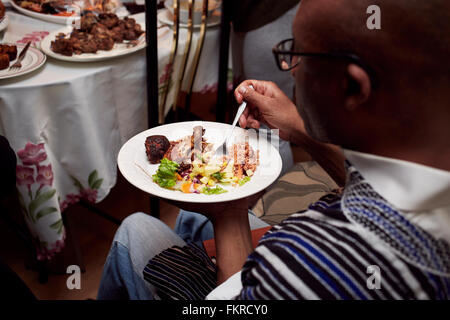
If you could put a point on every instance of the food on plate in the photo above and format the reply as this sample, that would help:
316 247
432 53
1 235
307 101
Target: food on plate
97 33
67 8
8 53
10 50
156 147
4 61
54 7
188 164
2 11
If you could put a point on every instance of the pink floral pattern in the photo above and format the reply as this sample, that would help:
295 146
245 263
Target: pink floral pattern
32 154
45 175
38 178
24 176
39 199
166 74
89 194
35 37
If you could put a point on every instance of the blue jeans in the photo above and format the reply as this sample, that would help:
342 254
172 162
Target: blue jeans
139 238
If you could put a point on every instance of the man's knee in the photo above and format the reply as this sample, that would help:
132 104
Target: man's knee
135 225
136 219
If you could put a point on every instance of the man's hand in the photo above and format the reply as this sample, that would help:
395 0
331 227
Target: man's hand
267 104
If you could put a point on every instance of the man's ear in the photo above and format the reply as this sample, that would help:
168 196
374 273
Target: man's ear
359 87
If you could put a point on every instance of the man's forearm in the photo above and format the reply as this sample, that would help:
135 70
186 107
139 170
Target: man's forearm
233 244
329 157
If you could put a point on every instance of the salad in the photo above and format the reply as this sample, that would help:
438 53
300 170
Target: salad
188 166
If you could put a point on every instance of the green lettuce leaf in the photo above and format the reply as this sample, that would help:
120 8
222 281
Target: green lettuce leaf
219 176
244 181
165 176
215 190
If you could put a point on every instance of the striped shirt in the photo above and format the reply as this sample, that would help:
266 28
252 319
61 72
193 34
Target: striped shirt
354 246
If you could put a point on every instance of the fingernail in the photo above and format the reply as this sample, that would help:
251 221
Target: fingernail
242 90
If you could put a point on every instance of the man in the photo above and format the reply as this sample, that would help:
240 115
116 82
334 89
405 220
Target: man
381 95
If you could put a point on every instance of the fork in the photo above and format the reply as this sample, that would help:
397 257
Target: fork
222 149
17 65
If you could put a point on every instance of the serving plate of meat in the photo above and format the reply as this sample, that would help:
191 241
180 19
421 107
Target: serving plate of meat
176 162
98 37
34 59
62 11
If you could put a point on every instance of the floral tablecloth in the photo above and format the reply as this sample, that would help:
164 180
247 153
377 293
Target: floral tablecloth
67 122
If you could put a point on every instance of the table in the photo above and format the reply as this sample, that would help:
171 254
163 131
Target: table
67 122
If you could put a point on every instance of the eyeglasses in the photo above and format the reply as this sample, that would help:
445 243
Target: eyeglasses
287 59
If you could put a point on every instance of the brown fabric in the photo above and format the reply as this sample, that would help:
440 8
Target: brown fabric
303 185
248 15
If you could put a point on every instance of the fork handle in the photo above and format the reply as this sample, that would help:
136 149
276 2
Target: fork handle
24 51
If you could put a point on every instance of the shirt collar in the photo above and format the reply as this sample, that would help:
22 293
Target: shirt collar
408 186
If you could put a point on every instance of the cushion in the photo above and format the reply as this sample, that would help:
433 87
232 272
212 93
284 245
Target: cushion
302 185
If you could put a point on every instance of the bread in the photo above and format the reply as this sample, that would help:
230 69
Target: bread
4 61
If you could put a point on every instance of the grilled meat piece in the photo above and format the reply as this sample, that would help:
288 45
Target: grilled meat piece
129 34
155 147
117 34
4 61
109 20
63 46
88 21
102 37
10 50
97 33
129 22
77 34
104 42
99 28
196 143
180 151
89 45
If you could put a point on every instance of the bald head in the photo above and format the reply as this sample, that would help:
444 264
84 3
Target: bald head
408 57
412 31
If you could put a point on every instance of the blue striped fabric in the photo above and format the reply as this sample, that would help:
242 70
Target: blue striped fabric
324 253
328 251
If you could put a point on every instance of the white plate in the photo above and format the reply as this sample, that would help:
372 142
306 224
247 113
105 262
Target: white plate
165 17
34 59
119 49
4 23
43 16
135 167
